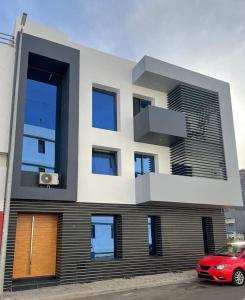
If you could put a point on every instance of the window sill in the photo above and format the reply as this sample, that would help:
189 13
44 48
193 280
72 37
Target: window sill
105 175
94 260
107 130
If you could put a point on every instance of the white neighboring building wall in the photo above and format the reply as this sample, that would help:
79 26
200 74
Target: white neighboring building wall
7 54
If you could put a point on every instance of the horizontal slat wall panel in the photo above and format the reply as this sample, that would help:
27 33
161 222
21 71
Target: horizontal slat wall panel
180 229
202 152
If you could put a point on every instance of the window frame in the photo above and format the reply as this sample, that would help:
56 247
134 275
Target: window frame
109 152
115 105
139 100
114 230
142 156
153 228
39 81
208 235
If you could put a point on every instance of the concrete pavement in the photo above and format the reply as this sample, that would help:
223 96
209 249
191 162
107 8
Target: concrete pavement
194 290
83 291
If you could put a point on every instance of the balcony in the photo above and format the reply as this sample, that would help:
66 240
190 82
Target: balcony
158 126
183 190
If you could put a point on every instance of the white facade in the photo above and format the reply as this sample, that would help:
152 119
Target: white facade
7 55
98 69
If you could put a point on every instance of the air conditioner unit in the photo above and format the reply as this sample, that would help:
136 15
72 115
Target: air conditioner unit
48 178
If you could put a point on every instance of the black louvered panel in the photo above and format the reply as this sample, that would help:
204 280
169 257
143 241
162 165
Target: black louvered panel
202 152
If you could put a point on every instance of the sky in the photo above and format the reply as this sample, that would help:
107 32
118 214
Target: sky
207 36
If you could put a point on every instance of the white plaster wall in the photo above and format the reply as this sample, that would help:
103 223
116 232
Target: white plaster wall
7 54
116 74
41 31
3 169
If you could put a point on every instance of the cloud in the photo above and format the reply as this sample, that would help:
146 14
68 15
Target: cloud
205 36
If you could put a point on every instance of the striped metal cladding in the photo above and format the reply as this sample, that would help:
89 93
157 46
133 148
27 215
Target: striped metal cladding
202 152
179 230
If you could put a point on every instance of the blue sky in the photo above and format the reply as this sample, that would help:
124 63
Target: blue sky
203 35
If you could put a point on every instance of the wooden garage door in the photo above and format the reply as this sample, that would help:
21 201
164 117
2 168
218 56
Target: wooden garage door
35 245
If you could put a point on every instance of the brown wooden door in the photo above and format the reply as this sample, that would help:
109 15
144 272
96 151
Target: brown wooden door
35 245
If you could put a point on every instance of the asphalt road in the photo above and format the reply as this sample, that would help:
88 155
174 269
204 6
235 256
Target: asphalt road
190 291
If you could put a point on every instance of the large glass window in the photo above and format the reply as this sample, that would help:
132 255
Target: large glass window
140 104
104 162
104 109
39 127
152 235
102 237
143 164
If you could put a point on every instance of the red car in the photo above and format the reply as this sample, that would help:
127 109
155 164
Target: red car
226 265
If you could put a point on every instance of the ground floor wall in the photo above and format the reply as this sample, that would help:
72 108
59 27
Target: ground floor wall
180 234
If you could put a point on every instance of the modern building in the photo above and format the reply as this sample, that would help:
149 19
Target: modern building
235 217
145 153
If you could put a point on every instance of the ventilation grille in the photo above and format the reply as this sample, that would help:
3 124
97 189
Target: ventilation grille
201 153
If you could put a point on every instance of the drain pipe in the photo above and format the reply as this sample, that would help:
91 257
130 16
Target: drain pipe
10 161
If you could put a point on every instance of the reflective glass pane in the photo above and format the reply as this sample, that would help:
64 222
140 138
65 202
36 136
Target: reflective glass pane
148 164
39 125
144 103
144 164
104 163
150 232
138 166
139 104
102 237
104 110
152 235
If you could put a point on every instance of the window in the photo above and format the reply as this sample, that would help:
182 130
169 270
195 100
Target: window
104 109
104 162
103 237
41 169
41 146
208 235
152 235
139 105
143 164
39 121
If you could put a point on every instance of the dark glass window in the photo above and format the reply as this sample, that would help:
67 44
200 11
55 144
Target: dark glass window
152 235
41 146
139 104
104 162
104 109
143 164
39 122
41 169
208 235
102 237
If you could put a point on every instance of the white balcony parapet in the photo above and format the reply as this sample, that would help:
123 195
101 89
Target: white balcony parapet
174 189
